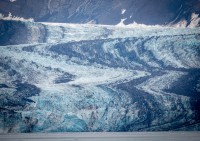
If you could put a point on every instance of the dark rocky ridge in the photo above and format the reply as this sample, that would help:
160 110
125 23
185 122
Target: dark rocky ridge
103 11
16 32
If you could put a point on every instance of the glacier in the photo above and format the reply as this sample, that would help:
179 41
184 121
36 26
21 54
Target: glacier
95 78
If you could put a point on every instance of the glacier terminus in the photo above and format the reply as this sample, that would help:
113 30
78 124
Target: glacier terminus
96 78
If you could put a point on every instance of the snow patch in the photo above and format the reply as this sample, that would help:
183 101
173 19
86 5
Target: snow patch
136 25
195 20
121 23
123 11
14 18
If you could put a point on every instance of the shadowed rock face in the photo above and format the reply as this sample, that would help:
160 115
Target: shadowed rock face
104 11
15 32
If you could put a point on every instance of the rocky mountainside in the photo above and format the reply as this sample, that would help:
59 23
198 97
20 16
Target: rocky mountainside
112 12
73 77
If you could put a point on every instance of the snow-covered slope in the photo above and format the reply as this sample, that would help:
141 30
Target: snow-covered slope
75 77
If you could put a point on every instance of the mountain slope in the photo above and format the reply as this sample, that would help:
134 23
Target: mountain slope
150 12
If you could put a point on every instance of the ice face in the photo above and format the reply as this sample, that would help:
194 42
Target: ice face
100 78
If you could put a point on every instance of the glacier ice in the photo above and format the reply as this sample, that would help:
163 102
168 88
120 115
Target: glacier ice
99 78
